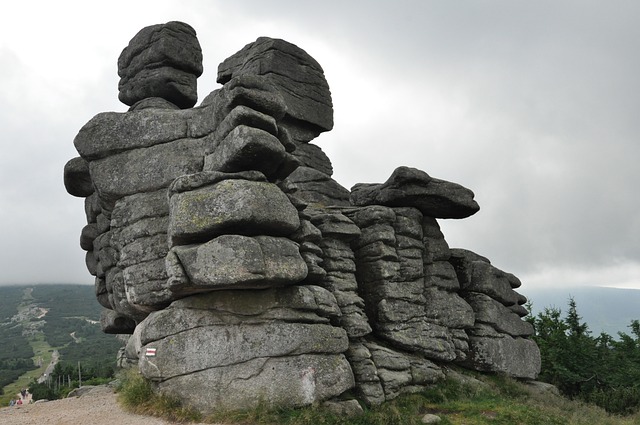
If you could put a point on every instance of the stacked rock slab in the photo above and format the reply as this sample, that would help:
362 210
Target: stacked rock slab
244 273
309 111
498 339
161 61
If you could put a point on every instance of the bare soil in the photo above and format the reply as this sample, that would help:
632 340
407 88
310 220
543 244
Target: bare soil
97 407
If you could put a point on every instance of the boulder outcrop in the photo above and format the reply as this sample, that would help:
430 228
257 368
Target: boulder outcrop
244 273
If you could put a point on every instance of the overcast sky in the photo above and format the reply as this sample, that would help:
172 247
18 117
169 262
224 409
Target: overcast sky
534 105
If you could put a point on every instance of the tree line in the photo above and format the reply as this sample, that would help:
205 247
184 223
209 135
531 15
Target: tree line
601 369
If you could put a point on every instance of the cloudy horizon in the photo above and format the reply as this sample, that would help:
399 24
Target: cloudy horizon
532 105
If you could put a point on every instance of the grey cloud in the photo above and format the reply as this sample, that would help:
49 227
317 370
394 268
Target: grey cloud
530 104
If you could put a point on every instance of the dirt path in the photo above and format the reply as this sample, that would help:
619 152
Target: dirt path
98 407
55 356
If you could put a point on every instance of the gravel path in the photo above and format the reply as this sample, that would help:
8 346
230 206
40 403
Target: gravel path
97 407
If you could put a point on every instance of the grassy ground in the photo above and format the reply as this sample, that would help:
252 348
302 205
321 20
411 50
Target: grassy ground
475 401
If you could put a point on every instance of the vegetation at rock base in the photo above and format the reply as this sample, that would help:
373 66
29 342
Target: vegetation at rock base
136 394
599 370
475 399
597 376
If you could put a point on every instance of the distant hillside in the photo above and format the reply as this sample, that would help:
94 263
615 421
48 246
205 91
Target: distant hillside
37 321
608 310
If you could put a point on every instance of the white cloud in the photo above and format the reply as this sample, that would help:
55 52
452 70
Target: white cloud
617 274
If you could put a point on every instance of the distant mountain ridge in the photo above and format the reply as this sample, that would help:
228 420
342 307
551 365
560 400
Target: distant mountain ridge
608 310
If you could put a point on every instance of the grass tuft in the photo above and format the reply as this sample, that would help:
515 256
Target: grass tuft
136 395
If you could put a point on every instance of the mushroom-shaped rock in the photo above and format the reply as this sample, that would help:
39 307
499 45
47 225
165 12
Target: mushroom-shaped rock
410 187
163 61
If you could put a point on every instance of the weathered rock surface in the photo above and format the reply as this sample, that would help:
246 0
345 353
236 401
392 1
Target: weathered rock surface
517 357
278 337
298 76
315 188
77 179
290 381
229 206
236 261
244 273
146 170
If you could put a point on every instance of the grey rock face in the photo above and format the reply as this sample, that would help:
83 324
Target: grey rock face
394 277
248 148
497 341
517 357
279 337
290 381
299 77
244 273
348 408
310 155
146 170
243 342
495 314
315 188
110 132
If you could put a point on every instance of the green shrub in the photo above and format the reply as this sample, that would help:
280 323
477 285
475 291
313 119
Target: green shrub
42 391
622 401
134 390
137 395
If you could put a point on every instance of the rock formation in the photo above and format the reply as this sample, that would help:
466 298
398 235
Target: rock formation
246 274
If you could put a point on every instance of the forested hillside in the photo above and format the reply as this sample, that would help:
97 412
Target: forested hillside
37 322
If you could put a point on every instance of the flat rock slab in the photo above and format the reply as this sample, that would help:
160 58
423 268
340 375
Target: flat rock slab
231 206
409 187
146 170
236 261
205 347
516 357
277 381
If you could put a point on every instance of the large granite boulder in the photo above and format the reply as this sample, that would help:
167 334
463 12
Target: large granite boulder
244 273
240 349
223 203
